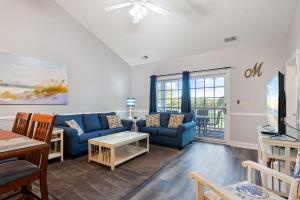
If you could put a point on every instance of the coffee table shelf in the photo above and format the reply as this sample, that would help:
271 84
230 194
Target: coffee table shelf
112 150
127 153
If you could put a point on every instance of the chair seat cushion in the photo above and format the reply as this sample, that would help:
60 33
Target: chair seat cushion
8 160
245 191
210 195
168 132
15 170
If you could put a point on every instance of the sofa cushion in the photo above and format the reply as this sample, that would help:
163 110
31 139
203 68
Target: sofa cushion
111 131
150 130
60 120
86 136
91 122
188 117
103 119
167 132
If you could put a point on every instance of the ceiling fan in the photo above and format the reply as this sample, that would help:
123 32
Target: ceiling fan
140 8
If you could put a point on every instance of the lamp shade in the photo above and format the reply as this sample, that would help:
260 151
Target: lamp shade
130 102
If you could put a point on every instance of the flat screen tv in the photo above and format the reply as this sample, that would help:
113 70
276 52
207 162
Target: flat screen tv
276 104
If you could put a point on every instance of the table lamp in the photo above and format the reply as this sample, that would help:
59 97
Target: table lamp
130 104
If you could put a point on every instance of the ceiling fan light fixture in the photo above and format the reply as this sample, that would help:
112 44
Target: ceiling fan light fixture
138 11
140 8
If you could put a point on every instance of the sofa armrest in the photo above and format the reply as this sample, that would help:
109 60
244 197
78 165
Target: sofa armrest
141 123
70 140
186 133
127 123
187 126
69 132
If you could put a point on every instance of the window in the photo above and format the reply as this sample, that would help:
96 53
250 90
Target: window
169 95
207 99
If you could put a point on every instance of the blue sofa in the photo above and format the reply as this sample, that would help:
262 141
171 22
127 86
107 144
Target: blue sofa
175 137
93 125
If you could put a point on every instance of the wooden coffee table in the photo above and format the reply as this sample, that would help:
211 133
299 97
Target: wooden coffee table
112 150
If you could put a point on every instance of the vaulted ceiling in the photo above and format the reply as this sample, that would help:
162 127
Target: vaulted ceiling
192 26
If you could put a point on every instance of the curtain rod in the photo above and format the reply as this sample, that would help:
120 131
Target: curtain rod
204 70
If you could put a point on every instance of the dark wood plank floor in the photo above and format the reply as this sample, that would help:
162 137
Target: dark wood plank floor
220 163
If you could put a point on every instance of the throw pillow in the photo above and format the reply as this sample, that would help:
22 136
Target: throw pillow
73 124
114 121
153 120
175 120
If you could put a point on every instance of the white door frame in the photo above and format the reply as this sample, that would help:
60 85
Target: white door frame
295 61
226 73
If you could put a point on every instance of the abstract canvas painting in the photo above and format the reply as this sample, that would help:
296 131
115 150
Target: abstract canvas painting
25 80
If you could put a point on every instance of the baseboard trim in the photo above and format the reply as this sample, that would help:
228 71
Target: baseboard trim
244 145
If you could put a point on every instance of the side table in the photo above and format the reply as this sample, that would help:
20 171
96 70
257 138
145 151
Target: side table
57 144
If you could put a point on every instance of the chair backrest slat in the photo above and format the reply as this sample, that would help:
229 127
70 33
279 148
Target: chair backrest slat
21 123
41 127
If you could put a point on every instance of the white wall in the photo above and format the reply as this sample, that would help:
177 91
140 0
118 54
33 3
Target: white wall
244 120
293 46
98 79
294 32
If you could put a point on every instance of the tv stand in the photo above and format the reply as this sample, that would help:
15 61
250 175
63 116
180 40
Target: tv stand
272 134
277 151
278 135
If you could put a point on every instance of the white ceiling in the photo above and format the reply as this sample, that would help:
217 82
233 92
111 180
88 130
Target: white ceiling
193 26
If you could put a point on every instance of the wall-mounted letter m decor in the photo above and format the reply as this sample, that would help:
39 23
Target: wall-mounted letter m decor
256 70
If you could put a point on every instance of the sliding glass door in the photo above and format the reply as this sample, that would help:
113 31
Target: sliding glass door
209 94
208 105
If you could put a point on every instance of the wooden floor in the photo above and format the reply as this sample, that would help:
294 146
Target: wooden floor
221 164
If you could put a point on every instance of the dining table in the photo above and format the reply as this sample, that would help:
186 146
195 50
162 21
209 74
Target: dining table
13 145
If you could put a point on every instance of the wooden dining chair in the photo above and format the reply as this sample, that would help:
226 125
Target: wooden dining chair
34 167
41 127
246 189
21 123
20 126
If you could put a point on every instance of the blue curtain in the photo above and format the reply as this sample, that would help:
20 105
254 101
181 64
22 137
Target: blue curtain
186 94
153 100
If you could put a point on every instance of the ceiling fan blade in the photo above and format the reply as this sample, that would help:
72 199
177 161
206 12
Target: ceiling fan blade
118 6
157 9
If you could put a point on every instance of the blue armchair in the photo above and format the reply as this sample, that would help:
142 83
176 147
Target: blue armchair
175 137
93 125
